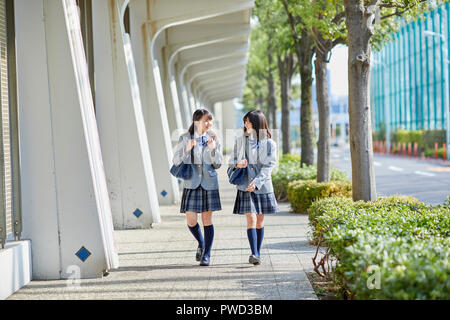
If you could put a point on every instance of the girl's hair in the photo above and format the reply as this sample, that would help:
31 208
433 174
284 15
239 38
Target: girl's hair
197 116
259 123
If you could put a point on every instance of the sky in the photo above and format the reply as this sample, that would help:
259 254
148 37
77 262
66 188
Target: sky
338 71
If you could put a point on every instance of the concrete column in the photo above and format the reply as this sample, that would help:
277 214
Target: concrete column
171 95
152 97
123 136
218 119
182 100
229 122
65 204
192 102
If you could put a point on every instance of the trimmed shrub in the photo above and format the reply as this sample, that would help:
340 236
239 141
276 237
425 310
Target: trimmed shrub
380 134
432 136
406 241
430 153
301 194
290 158
289 169
425 138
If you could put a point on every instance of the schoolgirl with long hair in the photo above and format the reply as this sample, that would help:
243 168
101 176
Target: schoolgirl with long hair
256 151
201 191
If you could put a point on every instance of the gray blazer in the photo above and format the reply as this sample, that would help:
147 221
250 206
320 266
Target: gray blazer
259 172
204 168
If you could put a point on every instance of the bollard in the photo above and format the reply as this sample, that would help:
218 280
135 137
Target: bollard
415 149
404 149
444 151
399 151
409 149
436 150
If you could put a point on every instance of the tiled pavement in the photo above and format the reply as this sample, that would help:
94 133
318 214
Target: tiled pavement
160 263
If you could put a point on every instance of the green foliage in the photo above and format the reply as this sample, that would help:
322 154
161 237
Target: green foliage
255 90
270 30
430 153
327 18
394 13
324 17
406 136
379 135
432 136
408 241
289 169
425 139
290 158
302 193
447 202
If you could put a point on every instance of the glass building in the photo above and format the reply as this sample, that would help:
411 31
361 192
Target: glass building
407 80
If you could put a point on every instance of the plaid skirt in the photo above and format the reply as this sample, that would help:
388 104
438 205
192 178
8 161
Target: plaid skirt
200 200
252 202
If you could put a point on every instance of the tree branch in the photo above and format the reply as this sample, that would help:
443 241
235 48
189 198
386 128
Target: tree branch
338 17
398 5
400 13
337 41
292 24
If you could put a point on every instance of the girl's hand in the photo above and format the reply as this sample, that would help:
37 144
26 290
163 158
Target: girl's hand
212 144
190 145
242 164
251 187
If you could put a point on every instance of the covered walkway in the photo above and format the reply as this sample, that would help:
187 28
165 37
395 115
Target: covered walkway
160 263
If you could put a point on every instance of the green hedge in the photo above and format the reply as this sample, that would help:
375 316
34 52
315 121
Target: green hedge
425 138
289 169
290 158
406 136
302 193
430 153
432 136
407 240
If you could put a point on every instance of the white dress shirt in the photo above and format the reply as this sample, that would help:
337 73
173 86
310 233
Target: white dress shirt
198 149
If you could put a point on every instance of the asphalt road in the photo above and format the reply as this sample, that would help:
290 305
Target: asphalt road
427 180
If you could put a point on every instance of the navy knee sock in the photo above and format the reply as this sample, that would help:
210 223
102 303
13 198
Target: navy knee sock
195 230
260 237
251 234
209 237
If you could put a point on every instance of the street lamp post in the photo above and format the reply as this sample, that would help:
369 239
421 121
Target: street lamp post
446 82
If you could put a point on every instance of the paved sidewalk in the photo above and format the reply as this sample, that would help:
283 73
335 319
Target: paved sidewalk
160 263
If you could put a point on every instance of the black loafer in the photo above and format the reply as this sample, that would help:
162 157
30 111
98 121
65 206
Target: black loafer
205 261
254 260
198 255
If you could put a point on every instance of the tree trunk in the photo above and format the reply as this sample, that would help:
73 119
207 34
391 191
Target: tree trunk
360 29
323 145
307 131
261 102
284 67
272 107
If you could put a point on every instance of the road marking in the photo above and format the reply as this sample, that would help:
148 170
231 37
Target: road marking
395 168
378 164
439 169
428 174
